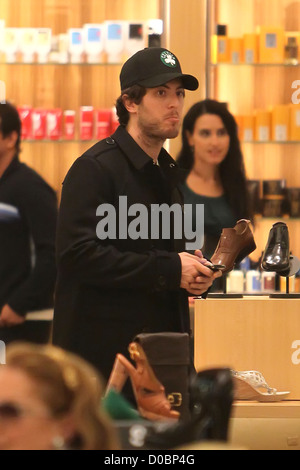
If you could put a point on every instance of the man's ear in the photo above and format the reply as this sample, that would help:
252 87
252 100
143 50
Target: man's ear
129 104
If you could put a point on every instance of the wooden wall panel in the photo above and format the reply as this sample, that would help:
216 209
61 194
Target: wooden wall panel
186 37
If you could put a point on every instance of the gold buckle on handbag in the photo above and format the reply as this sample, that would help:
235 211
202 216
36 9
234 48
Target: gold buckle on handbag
175 398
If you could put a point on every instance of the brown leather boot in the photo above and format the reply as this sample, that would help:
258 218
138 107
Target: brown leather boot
234 245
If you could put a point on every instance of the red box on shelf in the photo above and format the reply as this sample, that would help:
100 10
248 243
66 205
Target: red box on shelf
69 124
39 123
86 122
54 124
25 116
103 123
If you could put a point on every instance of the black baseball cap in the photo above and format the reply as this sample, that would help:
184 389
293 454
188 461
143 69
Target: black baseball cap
154 66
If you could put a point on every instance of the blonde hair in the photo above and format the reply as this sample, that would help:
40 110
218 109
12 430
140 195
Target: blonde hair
67 385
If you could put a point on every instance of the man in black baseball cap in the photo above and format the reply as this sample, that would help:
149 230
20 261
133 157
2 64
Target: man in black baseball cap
119 275
152 67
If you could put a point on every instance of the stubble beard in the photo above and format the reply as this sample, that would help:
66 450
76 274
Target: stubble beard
152 131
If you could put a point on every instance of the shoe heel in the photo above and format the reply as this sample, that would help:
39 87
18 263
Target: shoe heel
245 252
118 376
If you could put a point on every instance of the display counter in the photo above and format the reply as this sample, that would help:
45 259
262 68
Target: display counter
255 333
251 333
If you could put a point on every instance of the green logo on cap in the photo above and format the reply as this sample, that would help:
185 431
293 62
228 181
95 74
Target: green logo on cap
168 59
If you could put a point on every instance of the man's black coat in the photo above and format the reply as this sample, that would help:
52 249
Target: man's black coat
110 290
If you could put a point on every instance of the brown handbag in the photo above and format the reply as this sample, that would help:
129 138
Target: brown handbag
170 358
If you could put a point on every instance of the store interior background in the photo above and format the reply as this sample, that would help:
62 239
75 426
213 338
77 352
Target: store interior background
188 26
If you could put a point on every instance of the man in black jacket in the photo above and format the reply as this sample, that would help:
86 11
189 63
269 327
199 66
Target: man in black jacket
28 215
114 279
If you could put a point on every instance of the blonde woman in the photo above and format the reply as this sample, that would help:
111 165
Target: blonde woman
51 400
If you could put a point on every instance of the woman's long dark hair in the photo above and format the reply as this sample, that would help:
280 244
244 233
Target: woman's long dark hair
232 170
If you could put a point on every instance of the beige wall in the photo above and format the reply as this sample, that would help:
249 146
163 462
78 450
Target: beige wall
185 35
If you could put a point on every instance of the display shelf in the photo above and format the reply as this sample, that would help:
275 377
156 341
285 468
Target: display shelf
68 85
265 426
45 64
249 87
59 141
271 142
242 64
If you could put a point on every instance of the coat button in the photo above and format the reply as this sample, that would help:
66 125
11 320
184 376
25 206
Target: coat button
172 165
162 281
110 141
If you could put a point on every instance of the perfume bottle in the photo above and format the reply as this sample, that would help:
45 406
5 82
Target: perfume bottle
220 45
291 51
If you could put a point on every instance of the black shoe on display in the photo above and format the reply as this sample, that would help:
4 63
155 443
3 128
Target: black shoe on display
212 396
276 257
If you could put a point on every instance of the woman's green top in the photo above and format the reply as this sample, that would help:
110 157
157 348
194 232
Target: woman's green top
217 215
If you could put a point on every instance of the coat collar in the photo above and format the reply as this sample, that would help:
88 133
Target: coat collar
139 159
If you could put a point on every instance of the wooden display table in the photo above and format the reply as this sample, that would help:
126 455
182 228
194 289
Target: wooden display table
265 426
252 333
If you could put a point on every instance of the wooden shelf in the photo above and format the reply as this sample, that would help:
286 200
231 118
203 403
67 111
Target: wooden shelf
265 426
58 64
271 142
59 141
252 409
241 64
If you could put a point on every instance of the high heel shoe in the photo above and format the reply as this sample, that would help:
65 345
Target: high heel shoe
234 245
149 393
251 385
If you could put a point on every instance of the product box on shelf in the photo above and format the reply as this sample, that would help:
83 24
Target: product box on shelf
236 50
247 128
103 123
114 44
295 121
93 42
250 48
220 45
10 44
76 45
271 44
293 200
291 49
135 37
39 123
54 124
254 191
262 125
86 122
69 124
25 113
28 44
274 198
43 44
281 123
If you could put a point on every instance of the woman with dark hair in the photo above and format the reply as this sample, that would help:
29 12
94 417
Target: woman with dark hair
216 176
